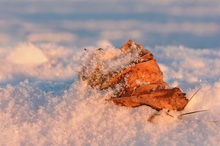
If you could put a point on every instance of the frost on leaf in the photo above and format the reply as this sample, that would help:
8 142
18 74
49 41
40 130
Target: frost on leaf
136 71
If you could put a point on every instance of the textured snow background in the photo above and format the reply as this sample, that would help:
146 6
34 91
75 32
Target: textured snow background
43 103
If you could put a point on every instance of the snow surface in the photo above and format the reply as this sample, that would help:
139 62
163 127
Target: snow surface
44 103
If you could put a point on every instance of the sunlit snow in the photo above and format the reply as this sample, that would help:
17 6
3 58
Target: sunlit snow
43 46
58 112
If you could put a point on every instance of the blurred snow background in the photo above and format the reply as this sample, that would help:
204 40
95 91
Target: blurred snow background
41 44
193 23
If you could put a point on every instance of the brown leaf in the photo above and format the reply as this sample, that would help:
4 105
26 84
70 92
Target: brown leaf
142 80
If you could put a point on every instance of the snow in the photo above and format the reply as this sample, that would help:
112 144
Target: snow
39 109
42 101
27 54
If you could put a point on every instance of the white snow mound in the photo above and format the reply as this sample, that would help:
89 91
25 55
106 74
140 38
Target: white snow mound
27 54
